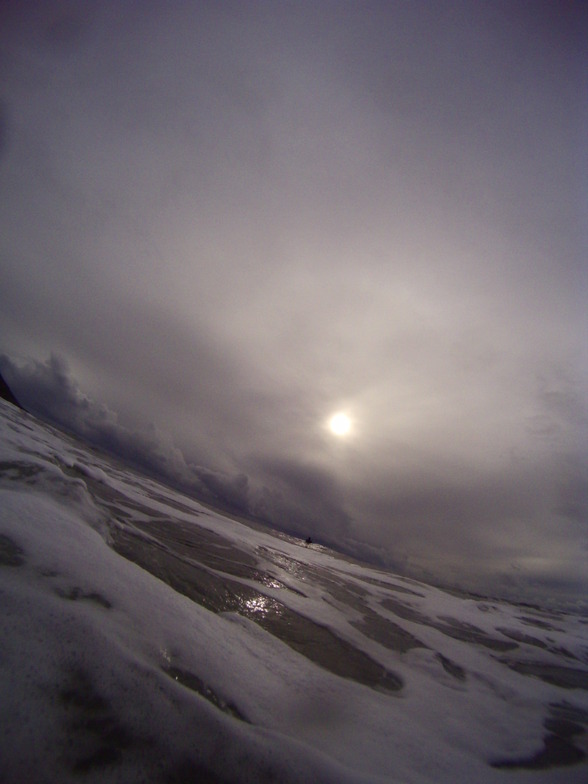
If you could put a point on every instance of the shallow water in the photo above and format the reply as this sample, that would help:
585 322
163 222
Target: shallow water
188 563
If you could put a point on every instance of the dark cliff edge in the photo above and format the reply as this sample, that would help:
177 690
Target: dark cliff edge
6 394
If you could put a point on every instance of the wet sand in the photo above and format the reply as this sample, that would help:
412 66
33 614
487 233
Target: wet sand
563 724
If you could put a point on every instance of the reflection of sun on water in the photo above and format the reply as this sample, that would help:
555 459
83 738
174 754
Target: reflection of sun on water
340 424
259 606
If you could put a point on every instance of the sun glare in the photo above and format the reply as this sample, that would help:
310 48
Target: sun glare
340 424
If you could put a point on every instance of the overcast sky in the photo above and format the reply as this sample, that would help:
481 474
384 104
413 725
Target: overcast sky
223 222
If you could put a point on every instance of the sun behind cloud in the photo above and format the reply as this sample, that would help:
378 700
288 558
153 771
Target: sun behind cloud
340 424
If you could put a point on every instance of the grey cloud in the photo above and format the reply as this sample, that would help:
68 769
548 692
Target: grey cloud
301 497
48 390
232 491
573 500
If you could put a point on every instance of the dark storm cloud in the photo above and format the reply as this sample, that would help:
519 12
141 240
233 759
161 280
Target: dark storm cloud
52 393
302 498
236 219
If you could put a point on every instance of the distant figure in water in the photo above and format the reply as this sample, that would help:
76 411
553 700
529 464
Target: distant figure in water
308 540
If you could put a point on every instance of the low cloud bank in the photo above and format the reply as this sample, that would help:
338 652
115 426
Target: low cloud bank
303 499
49 391
297 498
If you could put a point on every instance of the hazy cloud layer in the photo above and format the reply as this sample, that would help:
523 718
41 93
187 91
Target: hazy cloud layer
235 219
